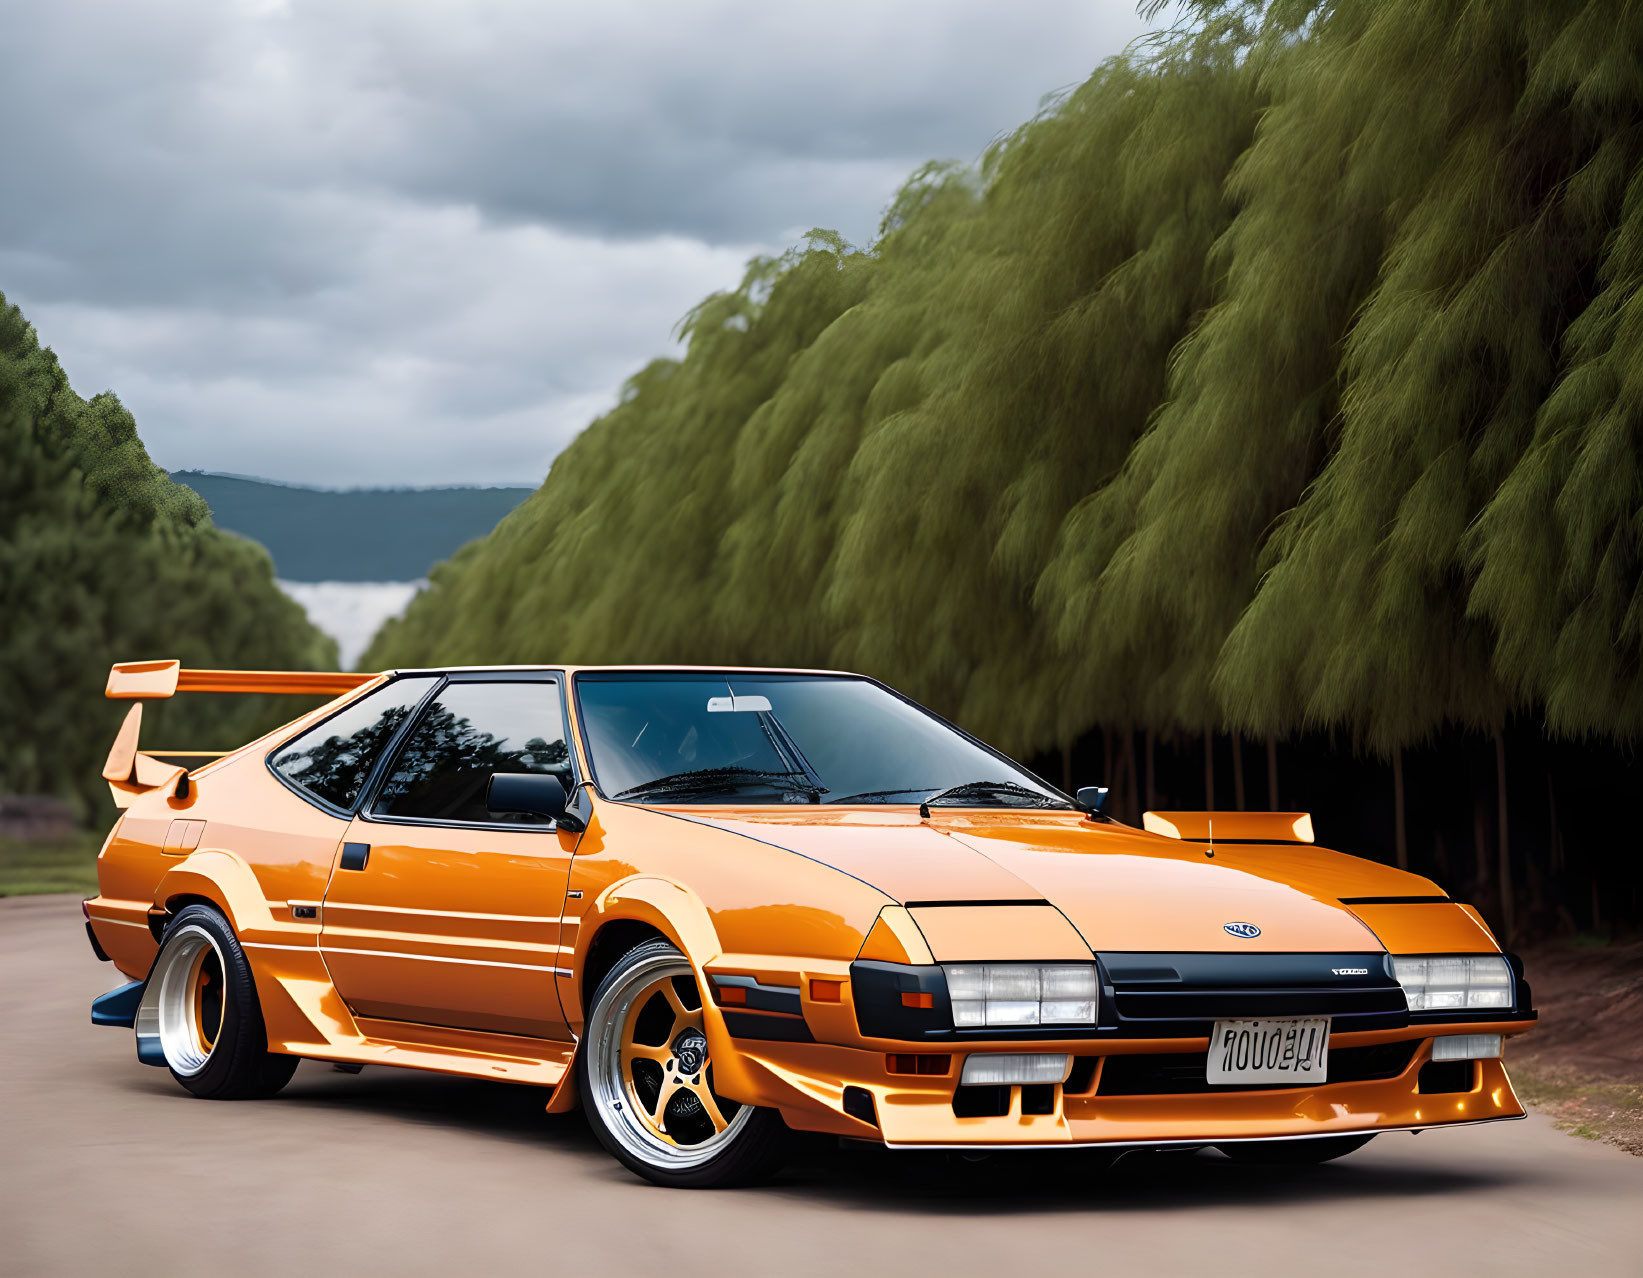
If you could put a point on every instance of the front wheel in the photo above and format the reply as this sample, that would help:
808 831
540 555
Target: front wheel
647 1081
1294 1153
205 1012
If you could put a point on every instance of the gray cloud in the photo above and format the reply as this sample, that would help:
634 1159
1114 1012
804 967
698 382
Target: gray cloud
401 241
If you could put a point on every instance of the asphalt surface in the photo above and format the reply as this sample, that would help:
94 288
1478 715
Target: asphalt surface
107 1167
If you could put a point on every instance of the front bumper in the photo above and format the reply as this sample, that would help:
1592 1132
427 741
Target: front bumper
811 1083
841 1065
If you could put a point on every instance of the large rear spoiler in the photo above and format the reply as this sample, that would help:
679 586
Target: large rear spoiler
151 680
131 772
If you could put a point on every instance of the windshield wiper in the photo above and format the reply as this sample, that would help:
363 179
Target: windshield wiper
880 794
995 789
719 780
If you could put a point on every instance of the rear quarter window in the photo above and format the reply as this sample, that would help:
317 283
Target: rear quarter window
332 759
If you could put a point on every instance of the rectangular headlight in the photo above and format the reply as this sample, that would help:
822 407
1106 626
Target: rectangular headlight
1012 1068
1468 983
985 994
1466 1047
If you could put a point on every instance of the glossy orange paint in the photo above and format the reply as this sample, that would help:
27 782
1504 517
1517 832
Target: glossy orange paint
470 950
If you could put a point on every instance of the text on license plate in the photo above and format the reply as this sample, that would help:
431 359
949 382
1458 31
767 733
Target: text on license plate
1292 1049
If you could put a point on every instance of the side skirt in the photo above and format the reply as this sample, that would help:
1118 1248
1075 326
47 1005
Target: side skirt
467 1053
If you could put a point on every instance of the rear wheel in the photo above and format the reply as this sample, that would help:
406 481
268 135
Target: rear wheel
647 1081
206 1013
1294 1153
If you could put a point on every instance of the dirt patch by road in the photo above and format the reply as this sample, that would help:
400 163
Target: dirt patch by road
1583 1065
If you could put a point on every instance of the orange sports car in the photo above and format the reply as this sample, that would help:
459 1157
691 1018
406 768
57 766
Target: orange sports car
717 905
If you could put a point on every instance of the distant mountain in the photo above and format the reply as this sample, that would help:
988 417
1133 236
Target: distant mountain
359 534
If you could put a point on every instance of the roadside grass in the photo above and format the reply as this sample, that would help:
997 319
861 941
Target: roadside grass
1592 1109
66 865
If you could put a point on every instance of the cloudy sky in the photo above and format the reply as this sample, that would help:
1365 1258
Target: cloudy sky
413 242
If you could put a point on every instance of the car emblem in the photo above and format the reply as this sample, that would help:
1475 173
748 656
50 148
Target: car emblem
691 1052
1248 931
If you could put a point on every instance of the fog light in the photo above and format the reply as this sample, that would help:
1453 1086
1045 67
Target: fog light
993 1068
1466 1047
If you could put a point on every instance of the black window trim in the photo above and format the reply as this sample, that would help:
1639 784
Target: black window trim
370 791
388 747
598 675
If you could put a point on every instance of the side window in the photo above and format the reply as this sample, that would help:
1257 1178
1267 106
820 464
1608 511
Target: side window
470 731
332 760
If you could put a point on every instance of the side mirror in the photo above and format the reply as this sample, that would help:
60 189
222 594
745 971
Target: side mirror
1092 798
536 793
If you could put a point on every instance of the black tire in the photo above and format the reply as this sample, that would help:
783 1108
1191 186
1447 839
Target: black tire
1294 1153
752 1145
237 1064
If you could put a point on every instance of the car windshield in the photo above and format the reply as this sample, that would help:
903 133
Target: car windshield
775 738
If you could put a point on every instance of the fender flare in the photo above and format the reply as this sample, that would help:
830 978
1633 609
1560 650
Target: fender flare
226 881
674 911
211 875
681 917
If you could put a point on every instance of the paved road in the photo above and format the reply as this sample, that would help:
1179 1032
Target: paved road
107 1167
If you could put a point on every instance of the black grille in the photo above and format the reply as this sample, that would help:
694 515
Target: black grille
1182 1073
1181 995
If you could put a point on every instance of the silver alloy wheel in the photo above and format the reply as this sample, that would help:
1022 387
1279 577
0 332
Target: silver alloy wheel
641 1128
189 1018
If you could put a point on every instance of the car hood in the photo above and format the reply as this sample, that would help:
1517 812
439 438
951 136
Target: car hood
1123 889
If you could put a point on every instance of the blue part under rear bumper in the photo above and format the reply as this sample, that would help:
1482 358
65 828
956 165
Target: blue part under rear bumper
118 1006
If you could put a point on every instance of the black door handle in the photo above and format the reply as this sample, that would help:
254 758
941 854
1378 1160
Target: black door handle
354 856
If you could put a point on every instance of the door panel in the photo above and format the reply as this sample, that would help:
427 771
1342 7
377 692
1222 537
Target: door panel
452 926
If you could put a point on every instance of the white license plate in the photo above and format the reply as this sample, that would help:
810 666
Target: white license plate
1293 1049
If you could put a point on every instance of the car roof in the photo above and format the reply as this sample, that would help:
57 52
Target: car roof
638 669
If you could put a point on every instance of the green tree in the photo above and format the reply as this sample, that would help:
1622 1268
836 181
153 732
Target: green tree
103 558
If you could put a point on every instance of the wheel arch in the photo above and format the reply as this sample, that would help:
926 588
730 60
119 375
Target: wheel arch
628 912
614 939
216 878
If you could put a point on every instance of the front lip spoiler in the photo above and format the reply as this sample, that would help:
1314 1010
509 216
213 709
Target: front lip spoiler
1003 1147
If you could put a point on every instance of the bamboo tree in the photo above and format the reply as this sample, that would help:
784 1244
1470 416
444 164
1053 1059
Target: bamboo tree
1400 830
1508 907
1282 377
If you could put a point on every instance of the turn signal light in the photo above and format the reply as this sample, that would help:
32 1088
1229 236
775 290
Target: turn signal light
826 991
918 1000
732 993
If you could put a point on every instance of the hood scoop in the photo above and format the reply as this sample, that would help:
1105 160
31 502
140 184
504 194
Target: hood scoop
1231 827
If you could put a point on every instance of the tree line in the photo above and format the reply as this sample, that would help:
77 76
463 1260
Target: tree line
102 559
1279 384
